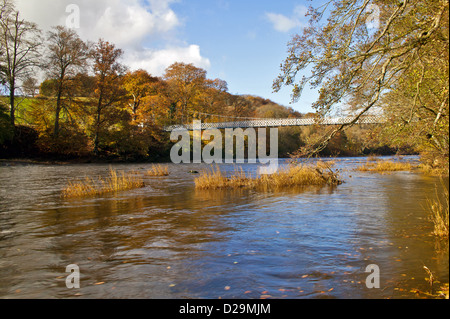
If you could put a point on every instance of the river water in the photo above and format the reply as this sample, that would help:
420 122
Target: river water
169 240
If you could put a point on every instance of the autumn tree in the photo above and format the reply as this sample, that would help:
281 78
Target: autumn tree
72 141
139 85
109 90
347 59
273 111
19 47
213 98
240 107
160 108
66 56
185 83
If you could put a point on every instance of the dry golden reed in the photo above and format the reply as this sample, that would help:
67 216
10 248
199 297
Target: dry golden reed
290 176
433 171
158 170
113 183
385 166
439 213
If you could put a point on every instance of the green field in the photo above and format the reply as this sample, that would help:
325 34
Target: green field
23 104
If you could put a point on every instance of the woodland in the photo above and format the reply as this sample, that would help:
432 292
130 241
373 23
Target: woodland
92 107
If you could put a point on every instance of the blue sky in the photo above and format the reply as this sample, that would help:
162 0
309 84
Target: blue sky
240 41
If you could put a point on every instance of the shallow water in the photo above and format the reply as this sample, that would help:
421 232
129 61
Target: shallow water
169 240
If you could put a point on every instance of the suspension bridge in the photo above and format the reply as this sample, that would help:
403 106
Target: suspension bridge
267 123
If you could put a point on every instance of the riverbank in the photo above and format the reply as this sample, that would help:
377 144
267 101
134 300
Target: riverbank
62 160
83 160
26 162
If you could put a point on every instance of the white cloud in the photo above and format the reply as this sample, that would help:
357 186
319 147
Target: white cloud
132 25
156 61
281 22
284 23
124 22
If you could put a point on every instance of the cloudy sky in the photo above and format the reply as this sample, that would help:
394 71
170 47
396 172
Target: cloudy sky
240 41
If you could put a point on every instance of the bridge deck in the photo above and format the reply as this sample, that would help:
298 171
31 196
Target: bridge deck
371 119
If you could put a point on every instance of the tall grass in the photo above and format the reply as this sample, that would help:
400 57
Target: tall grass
290 176
439 213
433 171
215 179
158 170
113 183
385 166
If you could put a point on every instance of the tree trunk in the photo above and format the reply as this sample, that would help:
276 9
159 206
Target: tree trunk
97 127
97 133
135 110
12 105
59 102
57 112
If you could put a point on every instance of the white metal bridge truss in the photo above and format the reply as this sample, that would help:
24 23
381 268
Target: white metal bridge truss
369 119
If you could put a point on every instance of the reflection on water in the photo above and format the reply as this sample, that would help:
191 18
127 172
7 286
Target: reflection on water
169 240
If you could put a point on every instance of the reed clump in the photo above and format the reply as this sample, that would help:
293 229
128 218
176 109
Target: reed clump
216 179
113 183
158 170
433 171
439 211
385 166
290 176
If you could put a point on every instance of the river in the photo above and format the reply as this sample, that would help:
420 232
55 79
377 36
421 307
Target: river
170 241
